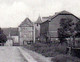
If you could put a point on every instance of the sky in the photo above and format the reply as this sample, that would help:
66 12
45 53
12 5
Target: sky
13 12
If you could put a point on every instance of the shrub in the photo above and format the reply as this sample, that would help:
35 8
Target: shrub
65 58
61 48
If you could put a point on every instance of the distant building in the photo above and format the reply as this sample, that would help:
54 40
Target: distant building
25 31
50 25
12 34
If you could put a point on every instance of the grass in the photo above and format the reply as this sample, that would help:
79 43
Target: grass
65 58
55 50
47 49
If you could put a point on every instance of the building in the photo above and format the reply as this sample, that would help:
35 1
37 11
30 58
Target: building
26 31
37 27
12 35
50 25
18 36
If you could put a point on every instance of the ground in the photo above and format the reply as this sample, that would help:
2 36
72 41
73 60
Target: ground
19 54
35 56
10 54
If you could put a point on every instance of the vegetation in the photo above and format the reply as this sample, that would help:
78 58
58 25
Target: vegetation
65 58
66 29
58 50
77 28
3 37
48 50
55 50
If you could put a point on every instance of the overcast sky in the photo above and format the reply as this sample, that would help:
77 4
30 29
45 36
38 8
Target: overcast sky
13 12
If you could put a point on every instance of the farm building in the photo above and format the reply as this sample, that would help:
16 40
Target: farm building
25 31
50 25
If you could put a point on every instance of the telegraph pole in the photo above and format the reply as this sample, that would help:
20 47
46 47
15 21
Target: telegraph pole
34 32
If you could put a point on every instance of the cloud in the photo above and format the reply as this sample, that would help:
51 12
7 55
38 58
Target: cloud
13 15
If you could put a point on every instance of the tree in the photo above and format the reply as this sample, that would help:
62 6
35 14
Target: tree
3 37
77 28
66 29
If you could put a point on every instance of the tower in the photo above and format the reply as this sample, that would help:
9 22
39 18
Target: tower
37 27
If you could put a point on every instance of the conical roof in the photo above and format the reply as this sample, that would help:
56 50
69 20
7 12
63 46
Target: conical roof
26 22
38 20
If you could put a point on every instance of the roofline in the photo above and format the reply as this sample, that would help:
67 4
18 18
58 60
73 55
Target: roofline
66 14
24 20
60 14
25 26
45 22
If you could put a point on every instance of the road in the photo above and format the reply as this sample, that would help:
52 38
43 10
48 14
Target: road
20 54
10 54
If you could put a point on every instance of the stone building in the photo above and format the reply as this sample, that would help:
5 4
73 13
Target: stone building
50 25
25 31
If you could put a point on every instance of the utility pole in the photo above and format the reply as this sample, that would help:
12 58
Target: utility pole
9 35
34 32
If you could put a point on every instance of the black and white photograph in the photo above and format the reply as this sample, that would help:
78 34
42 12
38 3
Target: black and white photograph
39 30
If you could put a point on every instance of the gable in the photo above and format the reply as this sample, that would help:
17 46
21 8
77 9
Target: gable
63 13
54 23
59 17
57 14
26 22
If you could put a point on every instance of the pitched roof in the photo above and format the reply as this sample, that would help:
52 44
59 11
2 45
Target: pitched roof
11 31
45 18
59 13
38 20
64 12
26 22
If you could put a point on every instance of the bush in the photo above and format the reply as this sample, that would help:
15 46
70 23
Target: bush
65 58
48 50
61 48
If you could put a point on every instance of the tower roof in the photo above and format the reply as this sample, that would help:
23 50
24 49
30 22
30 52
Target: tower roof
38 20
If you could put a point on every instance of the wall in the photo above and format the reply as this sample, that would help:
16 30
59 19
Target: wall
37 30
15 38
25 34
44 27
55 23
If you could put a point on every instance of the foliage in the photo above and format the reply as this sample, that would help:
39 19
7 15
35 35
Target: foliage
77 28
66 29
3 37
48 50
65 58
